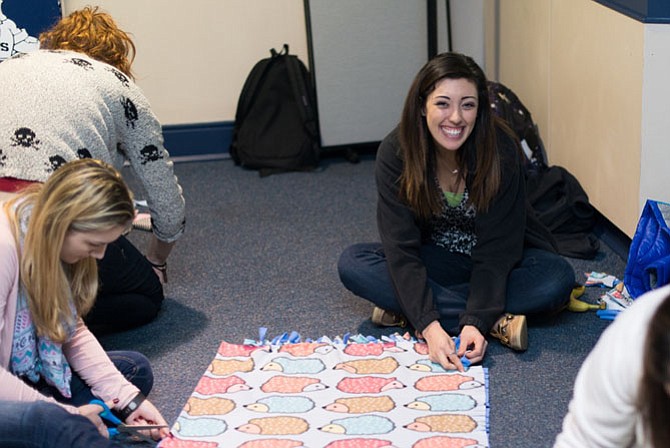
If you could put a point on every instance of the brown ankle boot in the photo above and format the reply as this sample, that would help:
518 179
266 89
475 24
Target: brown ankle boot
512 331
385 318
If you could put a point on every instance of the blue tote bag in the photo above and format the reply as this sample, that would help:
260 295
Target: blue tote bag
648 264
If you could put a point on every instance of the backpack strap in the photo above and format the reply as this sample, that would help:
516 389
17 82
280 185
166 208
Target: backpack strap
301 93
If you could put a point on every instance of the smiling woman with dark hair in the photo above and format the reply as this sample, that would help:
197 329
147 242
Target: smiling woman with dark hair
456 257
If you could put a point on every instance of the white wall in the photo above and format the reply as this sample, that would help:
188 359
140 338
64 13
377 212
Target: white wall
655 153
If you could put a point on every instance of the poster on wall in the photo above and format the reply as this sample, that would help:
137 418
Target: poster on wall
22 21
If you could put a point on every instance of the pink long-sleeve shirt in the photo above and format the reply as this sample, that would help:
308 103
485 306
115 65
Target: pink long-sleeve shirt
83 351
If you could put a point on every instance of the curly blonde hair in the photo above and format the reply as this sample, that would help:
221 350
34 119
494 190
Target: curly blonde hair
95 34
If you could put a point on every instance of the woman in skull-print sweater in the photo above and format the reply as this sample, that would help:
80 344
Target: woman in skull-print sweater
76 98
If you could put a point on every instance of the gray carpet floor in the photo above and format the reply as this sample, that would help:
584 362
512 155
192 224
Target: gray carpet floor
262 252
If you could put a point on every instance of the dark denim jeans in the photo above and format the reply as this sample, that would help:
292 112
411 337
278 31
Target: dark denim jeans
538 286
133 365
46 425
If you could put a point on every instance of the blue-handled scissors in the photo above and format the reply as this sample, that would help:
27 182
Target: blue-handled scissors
121 427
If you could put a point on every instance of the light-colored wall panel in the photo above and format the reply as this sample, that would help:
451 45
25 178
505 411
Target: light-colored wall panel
193 57
655 159
578 67
596 103
524 56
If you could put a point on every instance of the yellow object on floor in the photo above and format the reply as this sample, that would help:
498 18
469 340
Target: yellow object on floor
579 306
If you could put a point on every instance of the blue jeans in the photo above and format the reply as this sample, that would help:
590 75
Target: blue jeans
46 425
134 366
539 285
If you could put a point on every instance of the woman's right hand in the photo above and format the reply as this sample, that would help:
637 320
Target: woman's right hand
92 412
441 347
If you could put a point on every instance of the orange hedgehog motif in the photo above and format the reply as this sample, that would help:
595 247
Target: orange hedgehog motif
272 443
281 425
443 423
446 442
208 406
446 382
292 384
223 367
362 405
373 366
306 348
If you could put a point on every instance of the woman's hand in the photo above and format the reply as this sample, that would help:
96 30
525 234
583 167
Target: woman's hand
147 414
473 344
441 348
92 412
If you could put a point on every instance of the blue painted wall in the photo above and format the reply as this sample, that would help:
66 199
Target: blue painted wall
34 15
202 139
647 11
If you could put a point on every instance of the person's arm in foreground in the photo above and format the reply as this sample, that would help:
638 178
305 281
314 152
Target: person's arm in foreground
602 412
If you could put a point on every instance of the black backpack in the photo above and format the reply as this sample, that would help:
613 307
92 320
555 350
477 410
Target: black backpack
509 107
276 128
558 200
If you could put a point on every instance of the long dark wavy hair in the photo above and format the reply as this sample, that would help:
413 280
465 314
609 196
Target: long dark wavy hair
654 395
478 153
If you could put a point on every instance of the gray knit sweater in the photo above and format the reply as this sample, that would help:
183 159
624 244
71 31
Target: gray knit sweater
58 106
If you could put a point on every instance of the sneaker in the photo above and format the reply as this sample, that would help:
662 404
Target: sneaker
384 318
512 331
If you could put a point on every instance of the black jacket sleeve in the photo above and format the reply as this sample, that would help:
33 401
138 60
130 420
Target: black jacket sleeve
500 232
400 235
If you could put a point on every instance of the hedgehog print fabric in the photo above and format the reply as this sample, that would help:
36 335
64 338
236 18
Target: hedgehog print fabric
333 393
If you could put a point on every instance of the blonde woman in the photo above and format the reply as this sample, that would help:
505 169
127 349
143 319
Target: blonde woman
76 98
50 238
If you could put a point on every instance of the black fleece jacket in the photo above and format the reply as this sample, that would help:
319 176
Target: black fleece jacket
502 232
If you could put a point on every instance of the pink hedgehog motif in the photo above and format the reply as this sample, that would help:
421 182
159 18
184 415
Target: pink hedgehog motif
301 349
446 442
231 350
291 385
210 386
360 443
446 382
173 442
371 349
272 443
368 385
421 348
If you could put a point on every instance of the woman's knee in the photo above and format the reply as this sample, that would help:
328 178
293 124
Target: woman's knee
135 367
356 259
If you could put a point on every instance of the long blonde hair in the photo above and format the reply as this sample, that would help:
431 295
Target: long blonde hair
95 34
85 195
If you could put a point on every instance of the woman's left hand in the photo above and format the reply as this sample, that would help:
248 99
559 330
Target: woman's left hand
473 344
147 414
